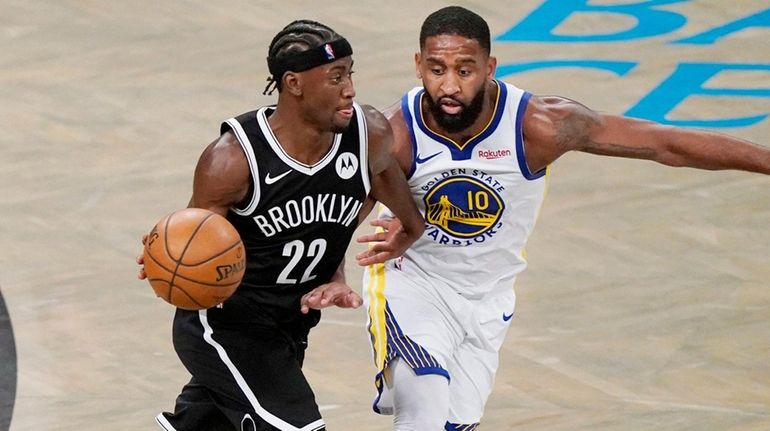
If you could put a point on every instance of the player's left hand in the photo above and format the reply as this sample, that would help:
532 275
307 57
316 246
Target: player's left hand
326 295
388 243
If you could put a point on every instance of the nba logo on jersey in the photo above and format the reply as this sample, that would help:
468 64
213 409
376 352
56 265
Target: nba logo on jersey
346 165
329 51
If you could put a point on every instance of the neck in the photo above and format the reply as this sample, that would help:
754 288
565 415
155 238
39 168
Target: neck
485 116
302 140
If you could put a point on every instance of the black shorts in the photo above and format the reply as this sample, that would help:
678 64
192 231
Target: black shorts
245 377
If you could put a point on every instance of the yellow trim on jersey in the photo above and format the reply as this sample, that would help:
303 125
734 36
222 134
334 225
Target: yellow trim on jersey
375 290
460 147
377 313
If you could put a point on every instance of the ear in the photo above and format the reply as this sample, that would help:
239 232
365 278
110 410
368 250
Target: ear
417 64
292 83
492 67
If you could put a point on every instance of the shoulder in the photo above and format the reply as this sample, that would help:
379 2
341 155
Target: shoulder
226 146
548 116
379 133
376 123
395 116
553 125
222 175
402 137
225 157
396 139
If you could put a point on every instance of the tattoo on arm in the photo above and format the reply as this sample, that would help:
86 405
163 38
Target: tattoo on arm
585 131
573 131
615 150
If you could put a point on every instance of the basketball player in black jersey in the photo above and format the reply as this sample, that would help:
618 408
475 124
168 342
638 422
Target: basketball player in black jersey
292 178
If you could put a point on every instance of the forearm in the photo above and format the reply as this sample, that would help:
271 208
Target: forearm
675 146
366 209
393 192
715 151
339 274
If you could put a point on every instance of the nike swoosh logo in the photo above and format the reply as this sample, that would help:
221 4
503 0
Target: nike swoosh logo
270 180
421 161
507 317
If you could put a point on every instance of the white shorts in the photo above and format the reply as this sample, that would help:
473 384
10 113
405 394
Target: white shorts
435 330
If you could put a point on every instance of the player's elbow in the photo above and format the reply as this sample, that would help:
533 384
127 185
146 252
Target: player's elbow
672 159
668 149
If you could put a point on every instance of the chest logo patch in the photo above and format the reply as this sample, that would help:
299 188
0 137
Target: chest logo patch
346 165
463 207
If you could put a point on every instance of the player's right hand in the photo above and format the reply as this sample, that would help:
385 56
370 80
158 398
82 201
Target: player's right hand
332 293
390 241
140 261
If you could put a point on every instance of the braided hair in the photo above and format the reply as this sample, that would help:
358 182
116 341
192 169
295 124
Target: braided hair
297 37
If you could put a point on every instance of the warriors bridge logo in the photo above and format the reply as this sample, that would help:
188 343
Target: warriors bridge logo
463 207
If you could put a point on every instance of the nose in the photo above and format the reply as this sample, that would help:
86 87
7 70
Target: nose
450 85
349 91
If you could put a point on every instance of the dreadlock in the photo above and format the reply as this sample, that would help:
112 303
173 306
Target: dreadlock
299 36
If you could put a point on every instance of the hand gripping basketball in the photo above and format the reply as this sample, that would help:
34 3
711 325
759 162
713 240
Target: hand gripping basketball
194 258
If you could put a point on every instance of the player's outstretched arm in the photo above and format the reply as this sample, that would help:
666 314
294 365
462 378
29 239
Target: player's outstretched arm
554 125
389 187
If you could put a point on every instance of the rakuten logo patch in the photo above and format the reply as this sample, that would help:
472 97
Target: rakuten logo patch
496 154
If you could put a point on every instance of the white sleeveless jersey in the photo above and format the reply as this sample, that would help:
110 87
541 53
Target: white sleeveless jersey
480 201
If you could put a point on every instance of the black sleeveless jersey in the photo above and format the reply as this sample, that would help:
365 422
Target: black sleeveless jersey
298 220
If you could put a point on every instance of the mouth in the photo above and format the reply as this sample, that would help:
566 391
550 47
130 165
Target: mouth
450 106
346 112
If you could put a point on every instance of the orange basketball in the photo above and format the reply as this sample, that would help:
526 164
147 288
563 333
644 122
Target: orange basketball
194 259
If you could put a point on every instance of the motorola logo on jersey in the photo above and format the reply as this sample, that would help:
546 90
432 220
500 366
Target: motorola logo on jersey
346 165
463 207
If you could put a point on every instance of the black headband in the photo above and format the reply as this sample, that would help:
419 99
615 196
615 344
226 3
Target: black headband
309 59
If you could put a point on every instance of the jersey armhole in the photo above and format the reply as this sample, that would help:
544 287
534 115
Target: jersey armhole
363 142
410 127
248 151
520 155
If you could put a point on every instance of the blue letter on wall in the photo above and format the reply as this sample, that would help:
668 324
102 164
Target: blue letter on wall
687 80
540 24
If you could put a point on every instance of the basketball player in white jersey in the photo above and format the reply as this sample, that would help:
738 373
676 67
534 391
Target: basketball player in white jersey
476 151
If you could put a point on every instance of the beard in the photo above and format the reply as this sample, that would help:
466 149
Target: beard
454 123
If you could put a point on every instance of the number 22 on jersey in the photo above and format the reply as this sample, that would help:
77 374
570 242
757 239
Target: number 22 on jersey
296 250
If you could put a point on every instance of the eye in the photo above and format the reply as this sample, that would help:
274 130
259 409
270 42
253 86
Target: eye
464 72
436 70
339 78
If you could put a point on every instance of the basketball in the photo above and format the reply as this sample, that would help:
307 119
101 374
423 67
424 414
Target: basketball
194 259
